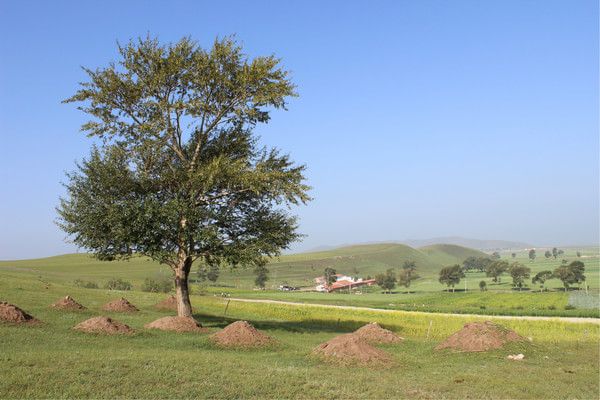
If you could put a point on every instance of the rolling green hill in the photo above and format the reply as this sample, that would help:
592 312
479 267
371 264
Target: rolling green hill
297 269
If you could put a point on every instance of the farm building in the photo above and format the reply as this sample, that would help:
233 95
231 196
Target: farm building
342 282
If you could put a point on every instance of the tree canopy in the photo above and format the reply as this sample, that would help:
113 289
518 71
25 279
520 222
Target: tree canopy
386 281
178 174
451 276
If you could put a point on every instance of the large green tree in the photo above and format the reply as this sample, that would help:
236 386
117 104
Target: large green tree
177 174
519 274
451 276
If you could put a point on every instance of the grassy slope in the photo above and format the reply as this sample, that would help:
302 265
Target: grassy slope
425 295
52 361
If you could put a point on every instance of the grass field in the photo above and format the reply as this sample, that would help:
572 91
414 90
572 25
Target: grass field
426 294
52 361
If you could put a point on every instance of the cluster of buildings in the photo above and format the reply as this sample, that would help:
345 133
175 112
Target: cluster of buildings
342 282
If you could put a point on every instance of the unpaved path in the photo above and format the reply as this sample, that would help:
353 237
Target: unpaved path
574 320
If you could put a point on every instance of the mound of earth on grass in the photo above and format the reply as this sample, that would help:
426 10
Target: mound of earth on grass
352 349
104 325
170 304
373 333
480 336
68 303
176 324
120 305
241 334
13 314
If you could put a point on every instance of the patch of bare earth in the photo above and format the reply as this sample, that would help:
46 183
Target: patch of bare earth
68 303
104 325
374 333
13 314
480 336
352 349
176 324
168 304
120 305
241 334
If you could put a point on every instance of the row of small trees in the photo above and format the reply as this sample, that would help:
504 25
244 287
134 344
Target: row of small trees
569 274
388 280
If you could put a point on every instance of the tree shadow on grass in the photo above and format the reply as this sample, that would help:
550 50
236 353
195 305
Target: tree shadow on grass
304 326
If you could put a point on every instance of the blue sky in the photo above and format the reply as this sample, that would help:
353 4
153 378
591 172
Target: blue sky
416 118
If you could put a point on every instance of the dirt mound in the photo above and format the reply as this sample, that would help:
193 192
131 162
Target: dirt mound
480 336
170 303
352 349
241 334
102 325
12 313
373 333
68 303
176 324
120 305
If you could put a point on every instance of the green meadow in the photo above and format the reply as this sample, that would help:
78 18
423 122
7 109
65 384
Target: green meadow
425 294
51 360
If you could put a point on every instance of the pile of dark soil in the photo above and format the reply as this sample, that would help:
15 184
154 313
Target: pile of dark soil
176 324
67 303
241 334
103 325
373 333
13 314
120 305
480 336
352 349
169 304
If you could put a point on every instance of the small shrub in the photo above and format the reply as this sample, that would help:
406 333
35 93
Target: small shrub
117 284
552 307
85 284
569 307
482 307
160 285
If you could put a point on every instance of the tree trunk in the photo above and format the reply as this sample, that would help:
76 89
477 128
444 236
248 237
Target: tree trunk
184 307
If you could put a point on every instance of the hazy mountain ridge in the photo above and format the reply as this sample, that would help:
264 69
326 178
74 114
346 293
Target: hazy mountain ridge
478 244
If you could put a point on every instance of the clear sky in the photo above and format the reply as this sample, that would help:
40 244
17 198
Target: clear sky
416 119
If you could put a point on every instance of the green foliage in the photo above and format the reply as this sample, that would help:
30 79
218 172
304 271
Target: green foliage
476 263
554 252
329 275
547 254
386 281
85 284
482 286
408 273
532 255
118 284
513 255
541 277
495 255
451 276
178 174
519 274
496 269
262 276
208 272
570 274
163 284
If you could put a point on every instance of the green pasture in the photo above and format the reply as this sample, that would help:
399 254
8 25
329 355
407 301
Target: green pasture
425 294
51 360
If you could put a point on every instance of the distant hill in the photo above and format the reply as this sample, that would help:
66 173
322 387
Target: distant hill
478 244
484 245
297 269
367 259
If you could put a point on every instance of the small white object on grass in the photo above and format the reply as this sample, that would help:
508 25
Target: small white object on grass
516 357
